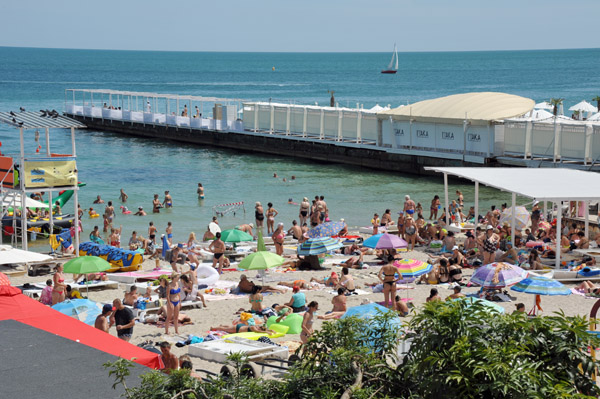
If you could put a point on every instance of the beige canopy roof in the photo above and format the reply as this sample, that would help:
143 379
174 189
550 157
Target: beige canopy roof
479 108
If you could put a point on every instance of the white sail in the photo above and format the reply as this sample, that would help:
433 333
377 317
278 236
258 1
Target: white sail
394 60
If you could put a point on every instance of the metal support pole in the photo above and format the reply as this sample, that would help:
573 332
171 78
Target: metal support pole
476 205
77 222
304 122
288 120
558 234
358 126
513 220
446 198
47 142
587 218
22 186
51 204
256 117
272 122
322 125
339 125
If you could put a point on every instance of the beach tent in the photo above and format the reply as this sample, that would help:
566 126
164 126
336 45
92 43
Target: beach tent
583 106
16 306
543 105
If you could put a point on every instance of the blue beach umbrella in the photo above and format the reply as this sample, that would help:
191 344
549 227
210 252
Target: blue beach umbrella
81 309
541 286
325 230
317 246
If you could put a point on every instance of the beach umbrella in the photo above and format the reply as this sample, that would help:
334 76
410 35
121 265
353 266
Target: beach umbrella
235 235
498 275
9 255
541 285
521 217
583 106
385 241
214 227
541 114
487 304
412 267
4 279
317 246
326 230
595 117
83 310
543 105
86 265
261 260
544 225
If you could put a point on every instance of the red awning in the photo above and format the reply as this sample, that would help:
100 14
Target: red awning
16 306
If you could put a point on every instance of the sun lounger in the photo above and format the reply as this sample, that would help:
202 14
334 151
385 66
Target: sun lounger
219 350
132 277
88 285
152 306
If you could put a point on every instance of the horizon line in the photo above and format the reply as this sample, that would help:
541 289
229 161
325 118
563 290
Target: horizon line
299 52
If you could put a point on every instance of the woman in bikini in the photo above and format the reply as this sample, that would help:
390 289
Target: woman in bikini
58 292
271 213
278 236
387 275
156 204
259 215
489 246
241 328
433 209
256 303
173 303
410 230
304 209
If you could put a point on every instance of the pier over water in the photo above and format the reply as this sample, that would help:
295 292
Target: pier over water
467 129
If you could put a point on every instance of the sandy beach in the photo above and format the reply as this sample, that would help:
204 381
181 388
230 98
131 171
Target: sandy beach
223 311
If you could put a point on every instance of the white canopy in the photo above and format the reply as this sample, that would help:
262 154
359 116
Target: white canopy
583 106
542 184
595 117
543 105
12 199
9 255
378 108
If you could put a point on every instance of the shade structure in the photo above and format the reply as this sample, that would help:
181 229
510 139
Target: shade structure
498 275
541 285
317 246
14 199
235 235
543 105
325 230
261 260
10 255
487 304
16 306
4 280
412 267
521 217
86 264
583 106
83 310
595 117
385 241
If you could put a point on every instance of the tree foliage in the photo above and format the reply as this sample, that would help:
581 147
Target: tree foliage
457 350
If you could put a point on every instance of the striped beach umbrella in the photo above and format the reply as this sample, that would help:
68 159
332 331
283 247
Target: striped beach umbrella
521 217
320 245
326 230
541 286
385 241
498 275
412 267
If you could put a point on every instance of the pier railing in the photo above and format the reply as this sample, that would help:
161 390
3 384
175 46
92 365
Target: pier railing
558 139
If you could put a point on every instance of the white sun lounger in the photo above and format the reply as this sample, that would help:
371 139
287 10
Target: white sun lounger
82 287
218 350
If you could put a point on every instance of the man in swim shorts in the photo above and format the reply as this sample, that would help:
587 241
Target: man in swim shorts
409 205
217 247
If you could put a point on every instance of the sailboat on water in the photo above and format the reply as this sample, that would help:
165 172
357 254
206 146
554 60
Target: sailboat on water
393 66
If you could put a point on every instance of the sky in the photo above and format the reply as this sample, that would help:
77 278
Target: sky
301 26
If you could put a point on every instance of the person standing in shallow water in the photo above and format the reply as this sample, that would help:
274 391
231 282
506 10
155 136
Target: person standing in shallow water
168 202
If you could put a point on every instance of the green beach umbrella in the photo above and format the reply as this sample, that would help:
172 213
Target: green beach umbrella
86 265
261 259
235 235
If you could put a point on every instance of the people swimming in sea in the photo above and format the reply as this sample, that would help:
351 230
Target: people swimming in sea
200 191
156 204
140 211
123 197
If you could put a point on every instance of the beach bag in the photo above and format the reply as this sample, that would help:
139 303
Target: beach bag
140 304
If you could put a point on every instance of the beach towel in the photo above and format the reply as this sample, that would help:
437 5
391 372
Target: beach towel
356 292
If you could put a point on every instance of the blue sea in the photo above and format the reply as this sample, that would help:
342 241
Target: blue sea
37 78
